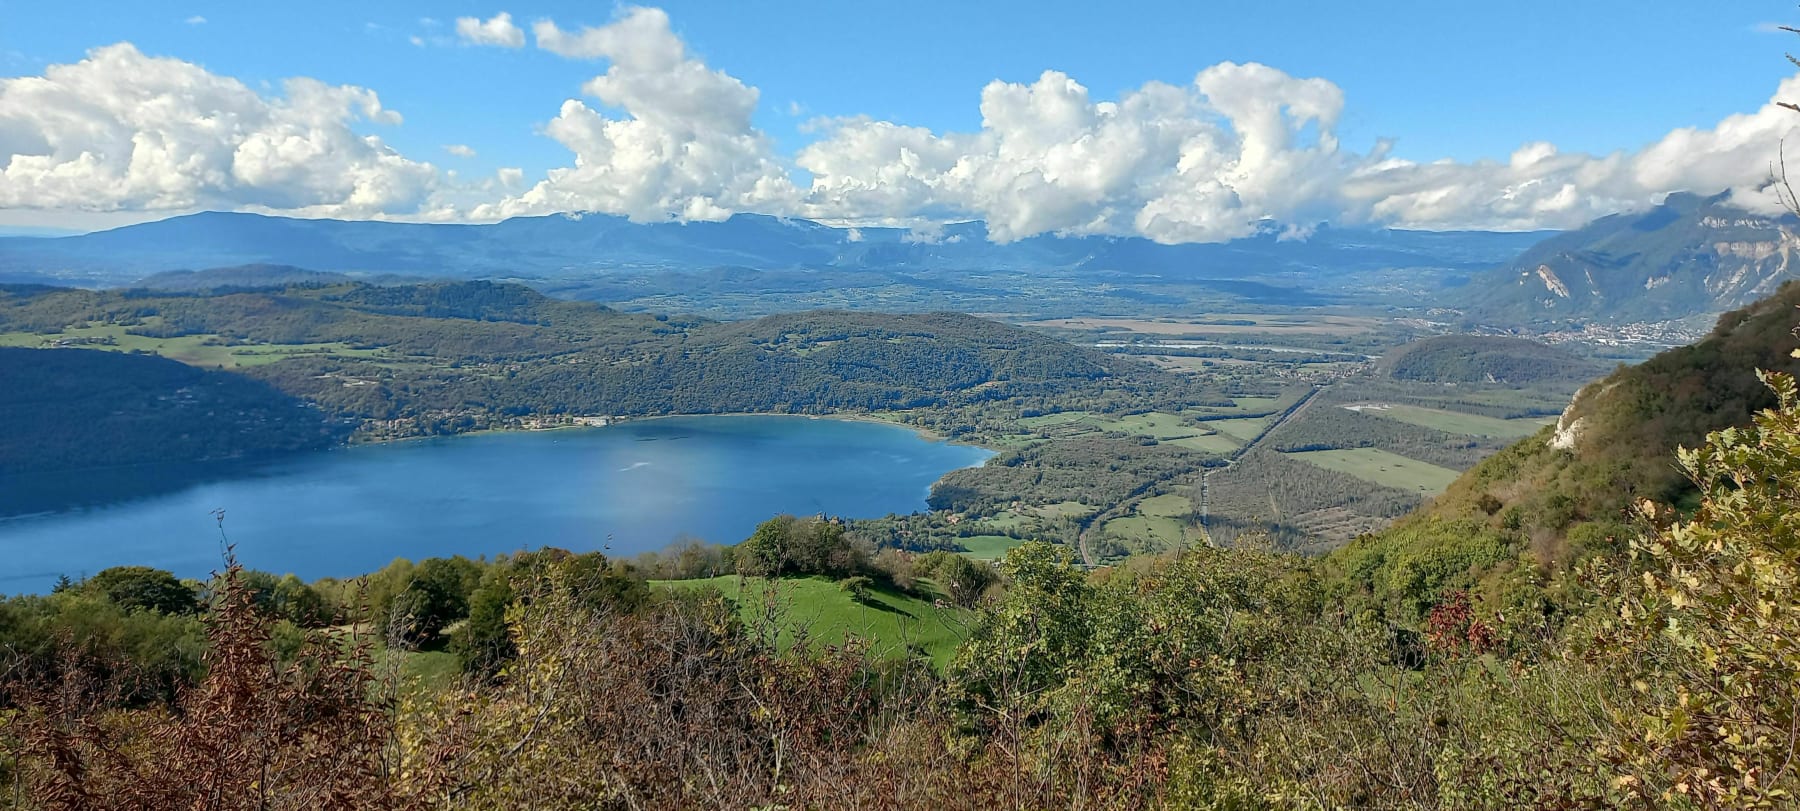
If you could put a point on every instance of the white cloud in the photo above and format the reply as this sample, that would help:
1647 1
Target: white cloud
123 131
497 30
1200 163
685 148
1243 144
195 20
1541 187
669 137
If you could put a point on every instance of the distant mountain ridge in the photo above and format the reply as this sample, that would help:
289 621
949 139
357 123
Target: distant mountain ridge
1692 256
566 246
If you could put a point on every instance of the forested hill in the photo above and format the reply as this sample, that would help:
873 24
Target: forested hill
239 277
71 409
445 357
1568 491
1486 359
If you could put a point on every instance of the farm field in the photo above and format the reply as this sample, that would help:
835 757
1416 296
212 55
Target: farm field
1383 468
1146 532
1242 429
1209 429
988 547
194 350
1064 509
1248 406
1220 444
1456 422
1221 323
1155 523
1158 425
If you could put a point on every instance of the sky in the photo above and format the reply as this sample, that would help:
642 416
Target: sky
1177 121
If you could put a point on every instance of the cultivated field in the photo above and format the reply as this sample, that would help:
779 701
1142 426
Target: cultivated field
1456 422
1222 323
1382 468
211 351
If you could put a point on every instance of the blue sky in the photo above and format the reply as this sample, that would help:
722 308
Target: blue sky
1444 80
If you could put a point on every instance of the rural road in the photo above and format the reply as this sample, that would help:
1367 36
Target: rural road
1101 517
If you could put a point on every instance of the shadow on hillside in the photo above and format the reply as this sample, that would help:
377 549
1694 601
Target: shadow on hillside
35 494
874 601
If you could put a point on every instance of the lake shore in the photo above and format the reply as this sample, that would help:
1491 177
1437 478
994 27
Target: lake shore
924 433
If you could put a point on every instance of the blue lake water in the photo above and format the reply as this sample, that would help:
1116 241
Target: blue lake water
629 488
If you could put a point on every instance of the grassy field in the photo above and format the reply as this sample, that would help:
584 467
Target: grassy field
1167 505
194 350
1185 429
1456 423
1210 443
1254 405
1224 323
1156 424
1149 533
1242 429
1383 468
1005 519
1157 522
1064 509
894 621
988 547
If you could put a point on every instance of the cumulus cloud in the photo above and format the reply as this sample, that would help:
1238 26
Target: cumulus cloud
1198 163
1241 145
661 135
497 30
1540 187
123 131
684 149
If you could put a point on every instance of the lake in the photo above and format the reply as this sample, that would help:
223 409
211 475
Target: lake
626 488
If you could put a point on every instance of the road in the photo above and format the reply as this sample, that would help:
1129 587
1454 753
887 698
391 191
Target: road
1099 518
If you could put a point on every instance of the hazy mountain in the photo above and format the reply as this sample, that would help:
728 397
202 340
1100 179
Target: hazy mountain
561 246
1691 256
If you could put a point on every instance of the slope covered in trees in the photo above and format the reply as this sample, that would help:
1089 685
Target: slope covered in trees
1569 491
69 409
1486 359
444 357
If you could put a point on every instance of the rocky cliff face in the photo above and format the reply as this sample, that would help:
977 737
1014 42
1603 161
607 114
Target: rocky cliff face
1690 257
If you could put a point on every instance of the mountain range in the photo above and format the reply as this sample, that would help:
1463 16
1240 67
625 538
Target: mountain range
1691 256
567 246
